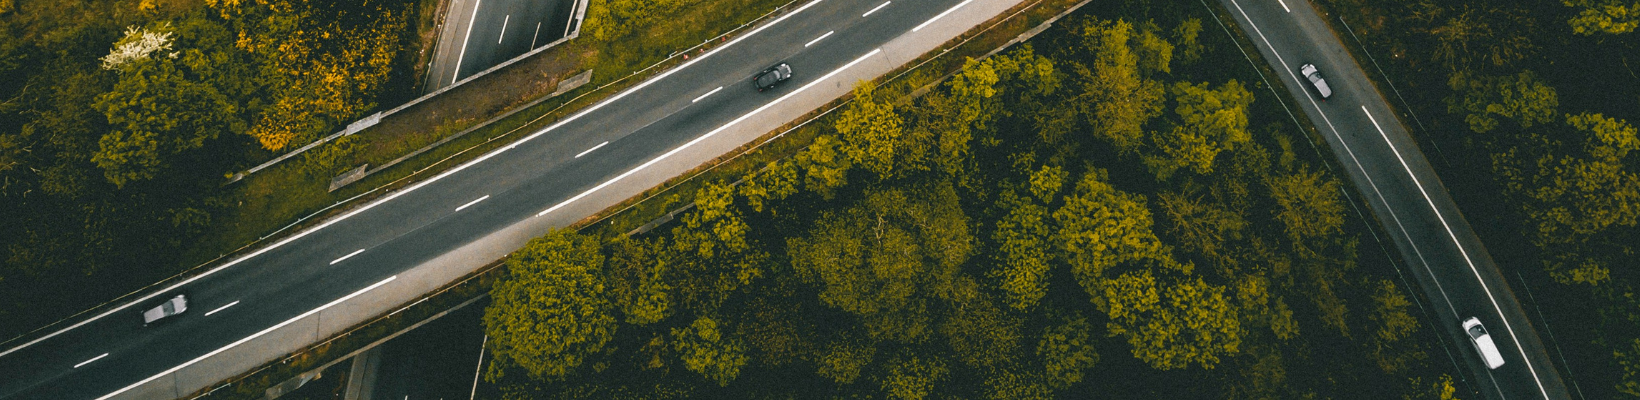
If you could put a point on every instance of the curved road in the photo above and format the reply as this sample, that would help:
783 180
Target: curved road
388 252
1407 197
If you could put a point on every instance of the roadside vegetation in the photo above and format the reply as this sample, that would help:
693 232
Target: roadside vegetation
1099 211
1530 110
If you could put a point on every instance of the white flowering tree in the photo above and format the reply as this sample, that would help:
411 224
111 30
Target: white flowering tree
138 44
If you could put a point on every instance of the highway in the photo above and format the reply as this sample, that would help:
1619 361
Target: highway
1390 172
479 34
385 252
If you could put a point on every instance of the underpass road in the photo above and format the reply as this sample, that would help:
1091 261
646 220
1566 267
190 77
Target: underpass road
1386 166
390 251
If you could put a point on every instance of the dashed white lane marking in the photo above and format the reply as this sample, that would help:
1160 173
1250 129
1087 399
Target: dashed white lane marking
697 99
419 185
224 307
471 203
1284 5
1461 250
464 39
874 9
600 145
708 135
503 28
249 338
817 40
942 15
354 253
83 363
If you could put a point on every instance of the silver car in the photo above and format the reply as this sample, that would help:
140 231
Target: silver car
174 306
1316 81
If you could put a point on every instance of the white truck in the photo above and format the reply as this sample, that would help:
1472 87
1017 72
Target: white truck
1483 342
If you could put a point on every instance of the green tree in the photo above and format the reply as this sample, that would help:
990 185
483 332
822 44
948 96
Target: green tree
637 271
1574 194
1185 35
1212 121
549 312
1119 99
912 377
706 351
1101 227
1440 389
982 335
1483 100
1611 17
1066 351
157 115
1394 325
1308 206
715 255
1022 238
1174 323
842 361
871 132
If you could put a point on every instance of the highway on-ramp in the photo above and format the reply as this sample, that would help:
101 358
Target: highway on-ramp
387 252
1408 199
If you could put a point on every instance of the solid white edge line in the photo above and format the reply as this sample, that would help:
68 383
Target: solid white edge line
591 149
412 188
817 40
251 337
469 36
536 36
696 100
83 363
354 253
874 9
471 203
942 15
709 134
224 307
1465 253
503 34
1284 5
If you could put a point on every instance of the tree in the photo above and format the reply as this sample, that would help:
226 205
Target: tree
1212 121
1309 206
882 258
1120 100
1174 323
1022 237
843 360
1611 17
1393 326
1185 35
156 115
637 270
706 351
549 313
912 377
982 335
1067 350
1101 227
715 256
1482 100
871 132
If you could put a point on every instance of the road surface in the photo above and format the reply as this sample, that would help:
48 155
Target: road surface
1408 199
389 251
479 34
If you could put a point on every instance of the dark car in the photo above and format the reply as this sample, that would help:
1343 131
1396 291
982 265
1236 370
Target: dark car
772 76
1316 80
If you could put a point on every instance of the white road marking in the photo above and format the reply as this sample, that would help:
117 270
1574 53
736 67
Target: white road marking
503 28
1284 5
471 203
418 185
596 147
874 9
249 338
1461 250
942 15
83 363
354 253
709 134
537 35
697 99
817 40
464 39
222 308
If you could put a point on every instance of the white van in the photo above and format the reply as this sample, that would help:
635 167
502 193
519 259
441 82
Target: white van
1483 342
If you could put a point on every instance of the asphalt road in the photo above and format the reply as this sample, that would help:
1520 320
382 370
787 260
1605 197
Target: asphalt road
479 34
350 256
1408 199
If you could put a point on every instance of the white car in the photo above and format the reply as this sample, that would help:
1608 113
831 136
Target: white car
174 306
1483 342
1314 76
